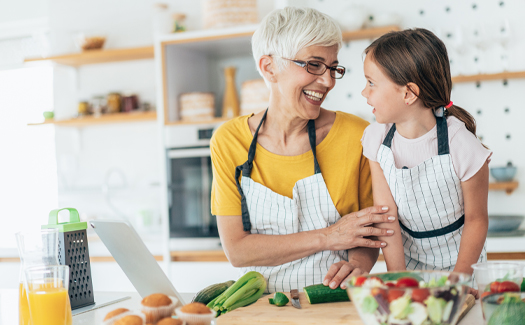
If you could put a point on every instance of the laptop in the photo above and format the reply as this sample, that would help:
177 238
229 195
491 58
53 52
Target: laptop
134 258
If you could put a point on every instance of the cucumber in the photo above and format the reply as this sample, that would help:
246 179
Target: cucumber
280 299
523 285
319 293
211 292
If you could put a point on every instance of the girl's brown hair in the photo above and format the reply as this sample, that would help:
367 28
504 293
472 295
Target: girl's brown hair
419 56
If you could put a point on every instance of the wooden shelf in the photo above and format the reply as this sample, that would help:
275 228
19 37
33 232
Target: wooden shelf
103 119
198 256
100 56
213 121
508 187
492 76
368 33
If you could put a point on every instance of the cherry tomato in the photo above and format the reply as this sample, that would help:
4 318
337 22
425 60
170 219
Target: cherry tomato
508 286
359 281
375 277
393 294
390 284
420 295
379 291
407 282
494 287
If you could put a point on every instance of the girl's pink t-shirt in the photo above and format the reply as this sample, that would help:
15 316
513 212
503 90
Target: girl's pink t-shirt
467 153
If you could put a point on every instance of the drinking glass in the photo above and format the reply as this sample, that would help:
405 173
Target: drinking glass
47 292
36 248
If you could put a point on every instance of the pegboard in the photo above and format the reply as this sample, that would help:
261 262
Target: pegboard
482 36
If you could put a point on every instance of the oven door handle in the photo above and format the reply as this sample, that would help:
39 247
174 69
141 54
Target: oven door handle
189 153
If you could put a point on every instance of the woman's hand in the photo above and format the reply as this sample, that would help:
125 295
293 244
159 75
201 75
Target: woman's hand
340 272
350 231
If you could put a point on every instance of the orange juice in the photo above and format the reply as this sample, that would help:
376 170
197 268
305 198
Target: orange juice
50 306
23 307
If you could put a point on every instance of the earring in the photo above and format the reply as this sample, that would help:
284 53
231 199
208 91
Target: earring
407 103
272 79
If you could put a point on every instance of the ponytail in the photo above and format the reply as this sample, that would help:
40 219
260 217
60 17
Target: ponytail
465 117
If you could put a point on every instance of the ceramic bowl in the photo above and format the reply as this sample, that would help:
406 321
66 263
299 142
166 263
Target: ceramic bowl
438 301
503 174
499 223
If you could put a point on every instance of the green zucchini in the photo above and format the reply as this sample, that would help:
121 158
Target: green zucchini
319 293
211 292
280 299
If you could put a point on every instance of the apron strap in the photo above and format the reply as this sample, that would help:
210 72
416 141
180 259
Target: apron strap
246 168
390 135
313 142
442 135
436 232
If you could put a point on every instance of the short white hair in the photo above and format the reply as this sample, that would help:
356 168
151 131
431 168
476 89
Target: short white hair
284 32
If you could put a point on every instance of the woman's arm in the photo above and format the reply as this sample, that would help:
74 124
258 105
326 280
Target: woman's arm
246 249
393 252
475 194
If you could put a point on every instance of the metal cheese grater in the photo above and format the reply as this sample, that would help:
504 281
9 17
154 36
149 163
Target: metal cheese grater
73 251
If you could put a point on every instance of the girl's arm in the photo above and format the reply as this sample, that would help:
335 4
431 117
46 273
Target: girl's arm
393 252
475 193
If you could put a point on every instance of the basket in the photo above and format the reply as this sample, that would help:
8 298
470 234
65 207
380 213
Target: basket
255 96
228 13
73 251
197 106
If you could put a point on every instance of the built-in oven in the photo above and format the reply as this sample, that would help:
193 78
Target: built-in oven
189 191
189 174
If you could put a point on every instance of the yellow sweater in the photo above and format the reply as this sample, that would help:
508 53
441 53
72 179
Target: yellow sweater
343 166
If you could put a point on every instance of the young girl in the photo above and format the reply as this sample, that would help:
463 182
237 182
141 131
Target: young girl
426 162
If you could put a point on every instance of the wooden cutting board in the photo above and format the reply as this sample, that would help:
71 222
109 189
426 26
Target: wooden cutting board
262 312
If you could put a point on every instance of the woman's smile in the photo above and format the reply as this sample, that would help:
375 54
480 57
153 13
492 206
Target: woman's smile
314 96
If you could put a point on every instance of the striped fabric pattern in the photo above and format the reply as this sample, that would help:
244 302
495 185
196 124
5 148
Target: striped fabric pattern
428 196
274 214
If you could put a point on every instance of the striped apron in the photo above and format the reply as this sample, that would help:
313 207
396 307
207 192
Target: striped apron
429 202
266 212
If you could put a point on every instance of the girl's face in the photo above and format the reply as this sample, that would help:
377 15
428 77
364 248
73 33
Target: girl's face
386 98
301 92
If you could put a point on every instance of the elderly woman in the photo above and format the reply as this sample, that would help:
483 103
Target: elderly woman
284 177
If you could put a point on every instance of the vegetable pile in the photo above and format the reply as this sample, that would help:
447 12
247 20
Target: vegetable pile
247 290
402 299
511 311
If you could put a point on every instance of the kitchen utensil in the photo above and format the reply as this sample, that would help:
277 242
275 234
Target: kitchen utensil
48 295
500 223
503 174
491 303
469 303
294 295
73 251
488 272
439 303
35 248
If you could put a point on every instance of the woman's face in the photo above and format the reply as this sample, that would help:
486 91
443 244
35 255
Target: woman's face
385 97
300 92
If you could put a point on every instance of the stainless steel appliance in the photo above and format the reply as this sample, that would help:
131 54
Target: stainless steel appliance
189 182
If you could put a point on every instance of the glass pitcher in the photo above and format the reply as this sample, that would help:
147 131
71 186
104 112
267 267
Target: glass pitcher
36 248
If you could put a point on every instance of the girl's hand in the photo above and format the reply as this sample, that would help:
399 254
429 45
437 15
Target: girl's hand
352 229
340 272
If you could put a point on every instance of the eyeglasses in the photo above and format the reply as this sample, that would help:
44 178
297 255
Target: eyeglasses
318 68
